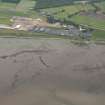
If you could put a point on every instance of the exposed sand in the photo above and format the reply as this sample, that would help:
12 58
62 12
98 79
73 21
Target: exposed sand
51 72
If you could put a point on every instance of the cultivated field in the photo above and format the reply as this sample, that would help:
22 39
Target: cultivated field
23 8
101 5
89 21
71 13
65 12
41 4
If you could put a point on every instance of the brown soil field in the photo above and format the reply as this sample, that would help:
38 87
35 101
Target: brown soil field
51 72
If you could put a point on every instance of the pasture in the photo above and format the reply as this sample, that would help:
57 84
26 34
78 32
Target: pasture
98 35
101 5
65 12
72 13
89 21
41 4
59 9
10 9
25 5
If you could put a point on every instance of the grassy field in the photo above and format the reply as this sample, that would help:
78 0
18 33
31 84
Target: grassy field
41 4
101 5
65 11
25 5
69 12
23 8
89 21
7 5
98 35
6 15
17 33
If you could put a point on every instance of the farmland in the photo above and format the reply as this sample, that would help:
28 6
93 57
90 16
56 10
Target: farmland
10 1
90 22
60 9
64 12
70 11
40 4
88 13
101 5
10 9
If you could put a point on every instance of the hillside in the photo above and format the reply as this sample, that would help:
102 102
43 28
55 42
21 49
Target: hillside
54 3
11 1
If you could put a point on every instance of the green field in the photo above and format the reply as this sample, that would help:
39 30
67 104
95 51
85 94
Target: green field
101 5
41 4
23 8
13 33
60 9
71 13
25 5
65 11
10 1
98 35
90 22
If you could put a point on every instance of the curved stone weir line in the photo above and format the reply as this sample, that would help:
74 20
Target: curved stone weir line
24 51
43 62
88 68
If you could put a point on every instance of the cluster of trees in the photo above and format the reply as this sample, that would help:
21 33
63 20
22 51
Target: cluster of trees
40 4
12 1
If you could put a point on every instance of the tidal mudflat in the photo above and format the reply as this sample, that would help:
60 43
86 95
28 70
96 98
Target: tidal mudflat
51 72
